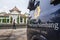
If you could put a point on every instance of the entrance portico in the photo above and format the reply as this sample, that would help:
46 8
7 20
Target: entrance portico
14 17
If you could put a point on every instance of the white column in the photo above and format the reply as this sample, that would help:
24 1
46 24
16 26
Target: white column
26 20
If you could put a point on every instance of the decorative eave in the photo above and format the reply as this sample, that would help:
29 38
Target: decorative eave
15 9
3 13
23 15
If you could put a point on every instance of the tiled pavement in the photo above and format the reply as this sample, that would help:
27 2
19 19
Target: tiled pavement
13 34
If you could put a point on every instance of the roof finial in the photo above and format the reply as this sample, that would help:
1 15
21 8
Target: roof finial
15 9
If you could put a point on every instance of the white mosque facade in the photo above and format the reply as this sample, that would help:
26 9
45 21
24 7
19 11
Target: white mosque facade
15 14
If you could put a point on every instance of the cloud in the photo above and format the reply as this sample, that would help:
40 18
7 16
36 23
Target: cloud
9 4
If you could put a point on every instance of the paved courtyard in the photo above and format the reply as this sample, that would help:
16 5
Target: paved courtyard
13 34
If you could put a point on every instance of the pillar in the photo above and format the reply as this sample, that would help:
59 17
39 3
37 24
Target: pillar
26 20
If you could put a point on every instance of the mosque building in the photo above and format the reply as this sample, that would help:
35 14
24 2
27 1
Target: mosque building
15 14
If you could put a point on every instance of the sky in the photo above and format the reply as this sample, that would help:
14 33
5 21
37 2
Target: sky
6 5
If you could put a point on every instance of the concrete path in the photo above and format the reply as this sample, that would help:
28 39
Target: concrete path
13 34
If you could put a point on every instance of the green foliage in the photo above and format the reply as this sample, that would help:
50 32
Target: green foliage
18 19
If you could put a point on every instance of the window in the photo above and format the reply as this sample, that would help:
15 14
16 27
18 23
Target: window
3 20
21 19
7 20
0 20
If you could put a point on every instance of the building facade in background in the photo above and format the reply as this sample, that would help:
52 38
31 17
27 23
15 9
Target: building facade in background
15 14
